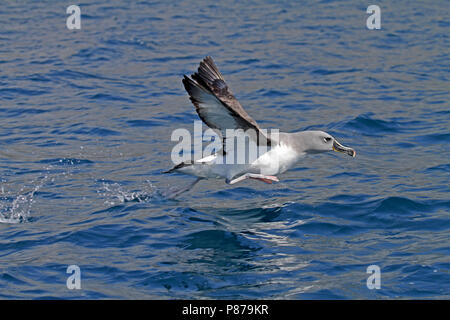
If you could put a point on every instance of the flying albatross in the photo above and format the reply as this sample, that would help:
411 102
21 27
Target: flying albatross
221 111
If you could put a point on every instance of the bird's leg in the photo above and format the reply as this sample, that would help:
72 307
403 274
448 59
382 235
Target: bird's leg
255 176
183 190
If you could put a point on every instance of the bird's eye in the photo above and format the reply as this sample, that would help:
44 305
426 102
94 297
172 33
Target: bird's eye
326 139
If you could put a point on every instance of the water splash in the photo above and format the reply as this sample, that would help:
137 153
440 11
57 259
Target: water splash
16 207
116 194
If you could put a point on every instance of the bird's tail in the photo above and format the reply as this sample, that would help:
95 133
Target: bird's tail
178 166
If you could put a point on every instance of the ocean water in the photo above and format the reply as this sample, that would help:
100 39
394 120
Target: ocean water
85 123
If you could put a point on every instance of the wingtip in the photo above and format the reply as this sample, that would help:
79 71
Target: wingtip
187 83
209 61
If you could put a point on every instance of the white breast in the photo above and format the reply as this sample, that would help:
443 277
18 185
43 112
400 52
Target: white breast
277 160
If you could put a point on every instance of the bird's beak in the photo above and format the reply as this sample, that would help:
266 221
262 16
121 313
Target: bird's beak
340 148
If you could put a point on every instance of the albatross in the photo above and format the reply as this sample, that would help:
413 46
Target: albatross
218 108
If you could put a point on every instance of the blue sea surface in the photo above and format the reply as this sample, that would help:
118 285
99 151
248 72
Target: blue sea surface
86 118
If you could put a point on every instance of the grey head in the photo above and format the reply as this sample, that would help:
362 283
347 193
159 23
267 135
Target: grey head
314 141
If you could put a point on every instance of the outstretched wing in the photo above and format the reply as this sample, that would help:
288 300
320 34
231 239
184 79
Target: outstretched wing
216 104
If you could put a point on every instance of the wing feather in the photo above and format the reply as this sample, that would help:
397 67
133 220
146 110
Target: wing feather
215 103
